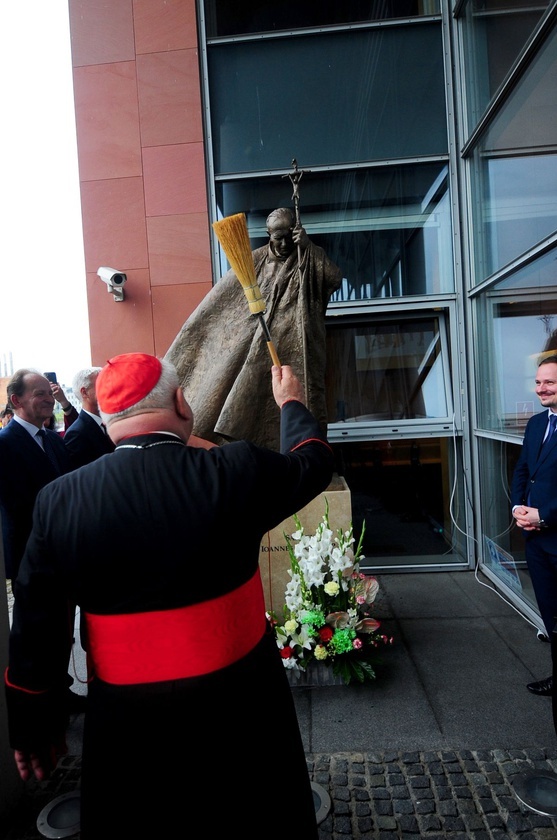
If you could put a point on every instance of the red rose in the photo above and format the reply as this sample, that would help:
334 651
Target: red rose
325 634
286 652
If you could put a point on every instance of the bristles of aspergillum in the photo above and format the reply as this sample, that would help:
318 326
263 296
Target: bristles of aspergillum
232 233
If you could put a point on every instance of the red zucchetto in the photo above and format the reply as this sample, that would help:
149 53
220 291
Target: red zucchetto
125 380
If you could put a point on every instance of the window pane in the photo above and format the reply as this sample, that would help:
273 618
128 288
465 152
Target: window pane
385 370
242 16
494 33
536 275
388 229
515 188
518 208
410 495
512 333
503 549
339 97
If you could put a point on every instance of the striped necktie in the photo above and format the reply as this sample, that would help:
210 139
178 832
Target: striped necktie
49 451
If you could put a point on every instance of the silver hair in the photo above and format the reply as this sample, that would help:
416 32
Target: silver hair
280 215
84 379
161 396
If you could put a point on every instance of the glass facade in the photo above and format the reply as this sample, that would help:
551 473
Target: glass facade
244 16
517 322
427 137
275 99
494 33
513 222
515 167
410 494
502 545
390 369
387 228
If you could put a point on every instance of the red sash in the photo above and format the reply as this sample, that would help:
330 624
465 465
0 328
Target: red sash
172 644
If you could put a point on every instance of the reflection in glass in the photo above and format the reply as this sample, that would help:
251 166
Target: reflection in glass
538 274
386 370
409 493
503 542
514 328
387 228
519 208
244 16
494 33
330 97
515 168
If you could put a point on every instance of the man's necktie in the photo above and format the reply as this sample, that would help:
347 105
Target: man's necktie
552 424
48 450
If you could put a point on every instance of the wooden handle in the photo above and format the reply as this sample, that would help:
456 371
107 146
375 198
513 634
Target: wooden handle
273 353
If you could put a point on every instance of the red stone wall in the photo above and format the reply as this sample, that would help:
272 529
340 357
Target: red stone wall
141 168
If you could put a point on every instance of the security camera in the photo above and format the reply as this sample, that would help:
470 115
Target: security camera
114 280
111 276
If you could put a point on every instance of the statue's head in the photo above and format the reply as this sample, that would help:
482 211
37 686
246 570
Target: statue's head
279 227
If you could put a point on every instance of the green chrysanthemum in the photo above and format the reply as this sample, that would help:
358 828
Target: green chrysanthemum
313 617
342 640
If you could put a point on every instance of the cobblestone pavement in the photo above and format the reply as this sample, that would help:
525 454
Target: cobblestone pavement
457 795
460 795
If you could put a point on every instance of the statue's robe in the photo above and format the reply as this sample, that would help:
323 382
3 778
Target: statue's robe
222 357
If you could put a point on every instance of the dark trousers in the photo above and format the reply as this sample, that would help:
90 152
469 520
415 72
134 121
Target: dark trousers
542 565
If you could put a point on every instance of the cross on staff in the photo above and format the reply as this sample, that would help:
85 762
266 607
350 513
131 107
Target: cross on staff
295 178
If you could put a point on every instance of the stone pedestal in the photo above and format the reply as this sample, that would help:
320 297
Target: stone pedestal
274 559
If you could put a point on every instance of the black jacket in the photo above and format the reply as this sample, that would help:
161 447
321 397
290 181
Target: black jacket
86 441
158 526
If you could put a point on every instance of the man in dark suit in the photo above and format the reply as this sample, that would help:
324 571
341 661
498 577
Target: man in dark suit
159 545
534 502
86 439
25 466
31 456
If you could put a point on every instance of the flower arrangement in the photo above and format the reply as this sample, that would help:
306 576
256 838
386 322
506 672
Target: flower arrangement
326 616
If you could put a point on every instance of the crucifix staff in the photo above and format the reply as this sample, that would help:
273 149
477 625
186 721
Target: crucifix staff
295 178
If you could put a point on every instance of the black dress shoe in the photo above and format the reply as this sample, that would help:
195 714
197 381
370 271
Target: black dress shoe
544 687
